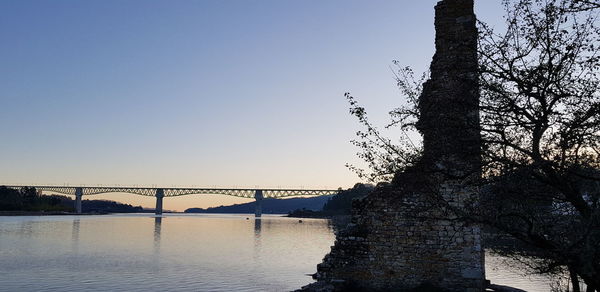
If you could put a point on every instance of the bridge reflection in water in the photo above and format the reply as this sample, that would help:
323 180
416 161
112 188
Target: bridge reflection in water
160 193
158 220
157 227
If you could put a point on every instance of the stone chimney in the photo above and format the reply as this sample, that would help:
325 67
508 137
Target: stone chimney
449 103
402 237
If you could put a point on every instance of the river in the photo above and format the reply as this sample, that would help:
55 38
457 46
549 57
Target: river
176 252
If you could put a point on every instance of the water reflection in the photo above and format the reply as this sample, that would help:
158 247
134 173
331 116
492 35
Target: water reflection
193 253
26 229
75 235
257 227
157 228
257 239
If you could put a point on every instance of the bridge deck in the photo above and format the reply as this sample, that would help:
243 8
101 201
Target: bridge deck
173 192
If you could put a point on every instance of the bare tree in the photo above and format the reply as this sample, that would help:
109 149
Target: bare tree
540 123
582 5
540 115
385 156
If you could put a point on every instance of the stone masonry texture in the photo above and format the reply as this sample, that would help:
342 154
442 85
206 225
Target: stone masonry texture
401 238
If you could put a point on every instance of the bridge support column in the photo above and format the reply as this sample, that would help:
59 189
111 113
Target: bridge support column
258 196
160 194
78 195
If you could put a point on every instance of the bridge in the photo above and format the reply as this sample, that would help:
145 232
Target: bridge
160 193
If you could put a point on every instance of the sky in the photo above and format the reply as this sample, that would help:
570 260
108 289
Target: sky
210 93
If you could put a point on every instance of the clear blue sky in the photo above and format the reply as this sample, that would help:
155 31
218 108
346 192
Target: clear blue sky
208 92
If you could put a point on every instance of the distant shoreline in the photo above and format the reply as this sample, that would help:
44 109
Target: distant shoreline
44 213
308 216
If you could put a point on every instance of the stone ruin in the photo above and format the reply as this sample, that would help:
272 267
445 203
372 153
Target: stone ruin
400 237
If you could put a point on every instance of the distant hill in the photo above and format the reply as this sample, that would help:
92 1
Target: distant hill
339 204
106 206
269 206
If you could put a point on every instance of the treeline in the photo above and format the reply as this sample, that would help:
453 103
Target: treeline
28 199
339 204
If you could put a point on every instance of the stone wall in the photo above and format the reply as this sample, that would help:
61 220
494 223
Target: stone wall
397 242
405 236
449 104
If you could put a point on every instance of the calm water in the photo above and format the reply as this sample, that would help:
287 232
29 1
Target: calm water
138 252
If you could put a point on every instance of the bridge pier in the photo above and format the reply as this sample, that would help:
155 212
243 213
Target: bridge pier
258 196
78 195
160 194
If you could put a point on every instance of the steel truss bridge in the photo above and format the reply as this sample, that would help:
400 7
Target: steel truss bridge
160 193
